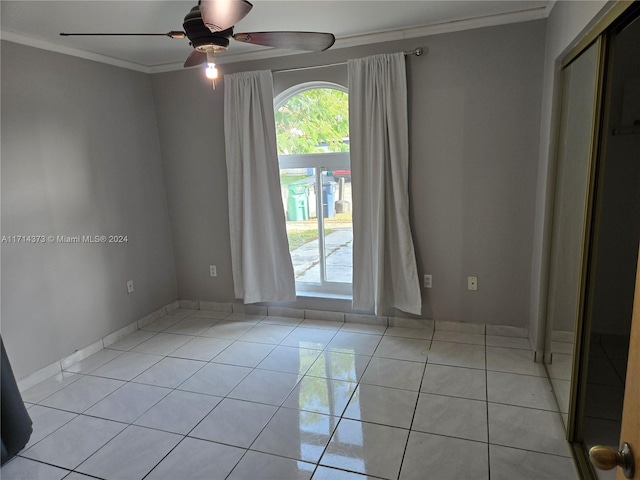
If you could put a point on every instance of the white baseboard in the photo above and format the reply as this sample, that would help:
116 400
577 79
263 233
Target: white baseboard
64 363
446 325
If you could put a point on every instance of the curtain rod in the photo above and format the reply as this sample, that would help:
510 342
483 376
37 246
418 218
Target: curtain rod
417 52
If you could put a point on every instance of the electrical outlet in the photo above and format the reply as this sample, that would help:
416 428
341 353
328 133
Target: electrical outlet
428 281
129 286
472 283
213 271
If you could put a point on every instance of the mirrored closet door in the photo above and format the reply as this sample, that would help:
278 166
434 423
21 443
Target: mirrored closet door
595 238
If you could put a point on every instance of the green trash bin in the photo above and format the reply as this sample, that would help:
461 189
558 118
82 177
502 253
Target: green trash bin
297 202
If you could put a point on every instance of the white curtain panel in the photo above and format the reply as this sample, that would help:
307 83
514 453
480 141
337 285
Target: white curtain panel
262 268
384 264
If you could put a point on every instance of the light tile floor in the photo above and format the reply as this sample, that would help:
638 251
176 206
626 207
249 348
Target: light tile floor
249 397
605 393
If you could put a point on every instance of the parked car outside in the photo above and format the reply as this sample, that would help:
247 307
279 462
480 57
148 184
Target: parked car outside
338 174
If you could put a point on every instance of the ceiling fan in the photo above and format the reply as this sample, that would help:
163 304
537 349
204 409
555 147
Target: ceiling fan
209 26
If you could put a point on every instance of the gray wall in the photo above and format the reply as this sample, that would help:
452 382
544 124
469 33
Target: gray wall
80 156
474 136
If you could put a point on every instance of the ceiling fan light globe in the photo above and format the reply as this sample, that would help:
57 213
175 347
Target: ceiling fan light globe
211 71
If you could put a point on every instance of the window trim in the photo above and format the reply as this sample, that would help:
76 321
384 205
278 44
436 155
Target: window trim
319 161
328 161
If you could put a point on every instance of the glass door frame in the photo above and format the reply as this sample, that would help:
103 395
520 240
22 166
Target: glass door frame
320 162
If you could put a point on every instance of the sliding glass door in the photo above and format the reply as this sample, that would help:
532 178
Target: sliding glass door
317 197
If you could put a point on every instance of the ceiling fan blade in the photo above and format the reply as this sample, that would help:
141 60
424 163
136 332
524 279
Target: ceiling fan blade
311 41
195 58
171 34
219 15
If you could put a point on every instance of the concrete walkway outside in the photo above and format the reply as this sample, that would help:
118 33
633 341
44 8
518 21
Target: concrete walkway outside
338 248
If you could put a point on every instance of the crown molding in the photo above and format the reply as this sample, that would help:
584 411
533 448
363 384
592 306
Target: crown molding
346 42
444 27
549 7
74 52
173 67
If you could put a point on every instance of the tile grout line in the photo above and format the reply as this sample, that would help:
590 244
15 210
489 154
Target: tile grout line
341 417
415 409
175 388
148 409
184 436
248 449
280 406
610 360
486 405
128 424
226 396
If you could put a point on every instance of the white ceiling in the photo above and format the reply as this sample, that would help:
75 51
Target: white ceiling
38 23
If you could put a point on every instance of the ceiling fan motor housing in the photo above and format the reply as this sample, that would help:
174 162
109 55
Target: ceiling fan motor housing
200 37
